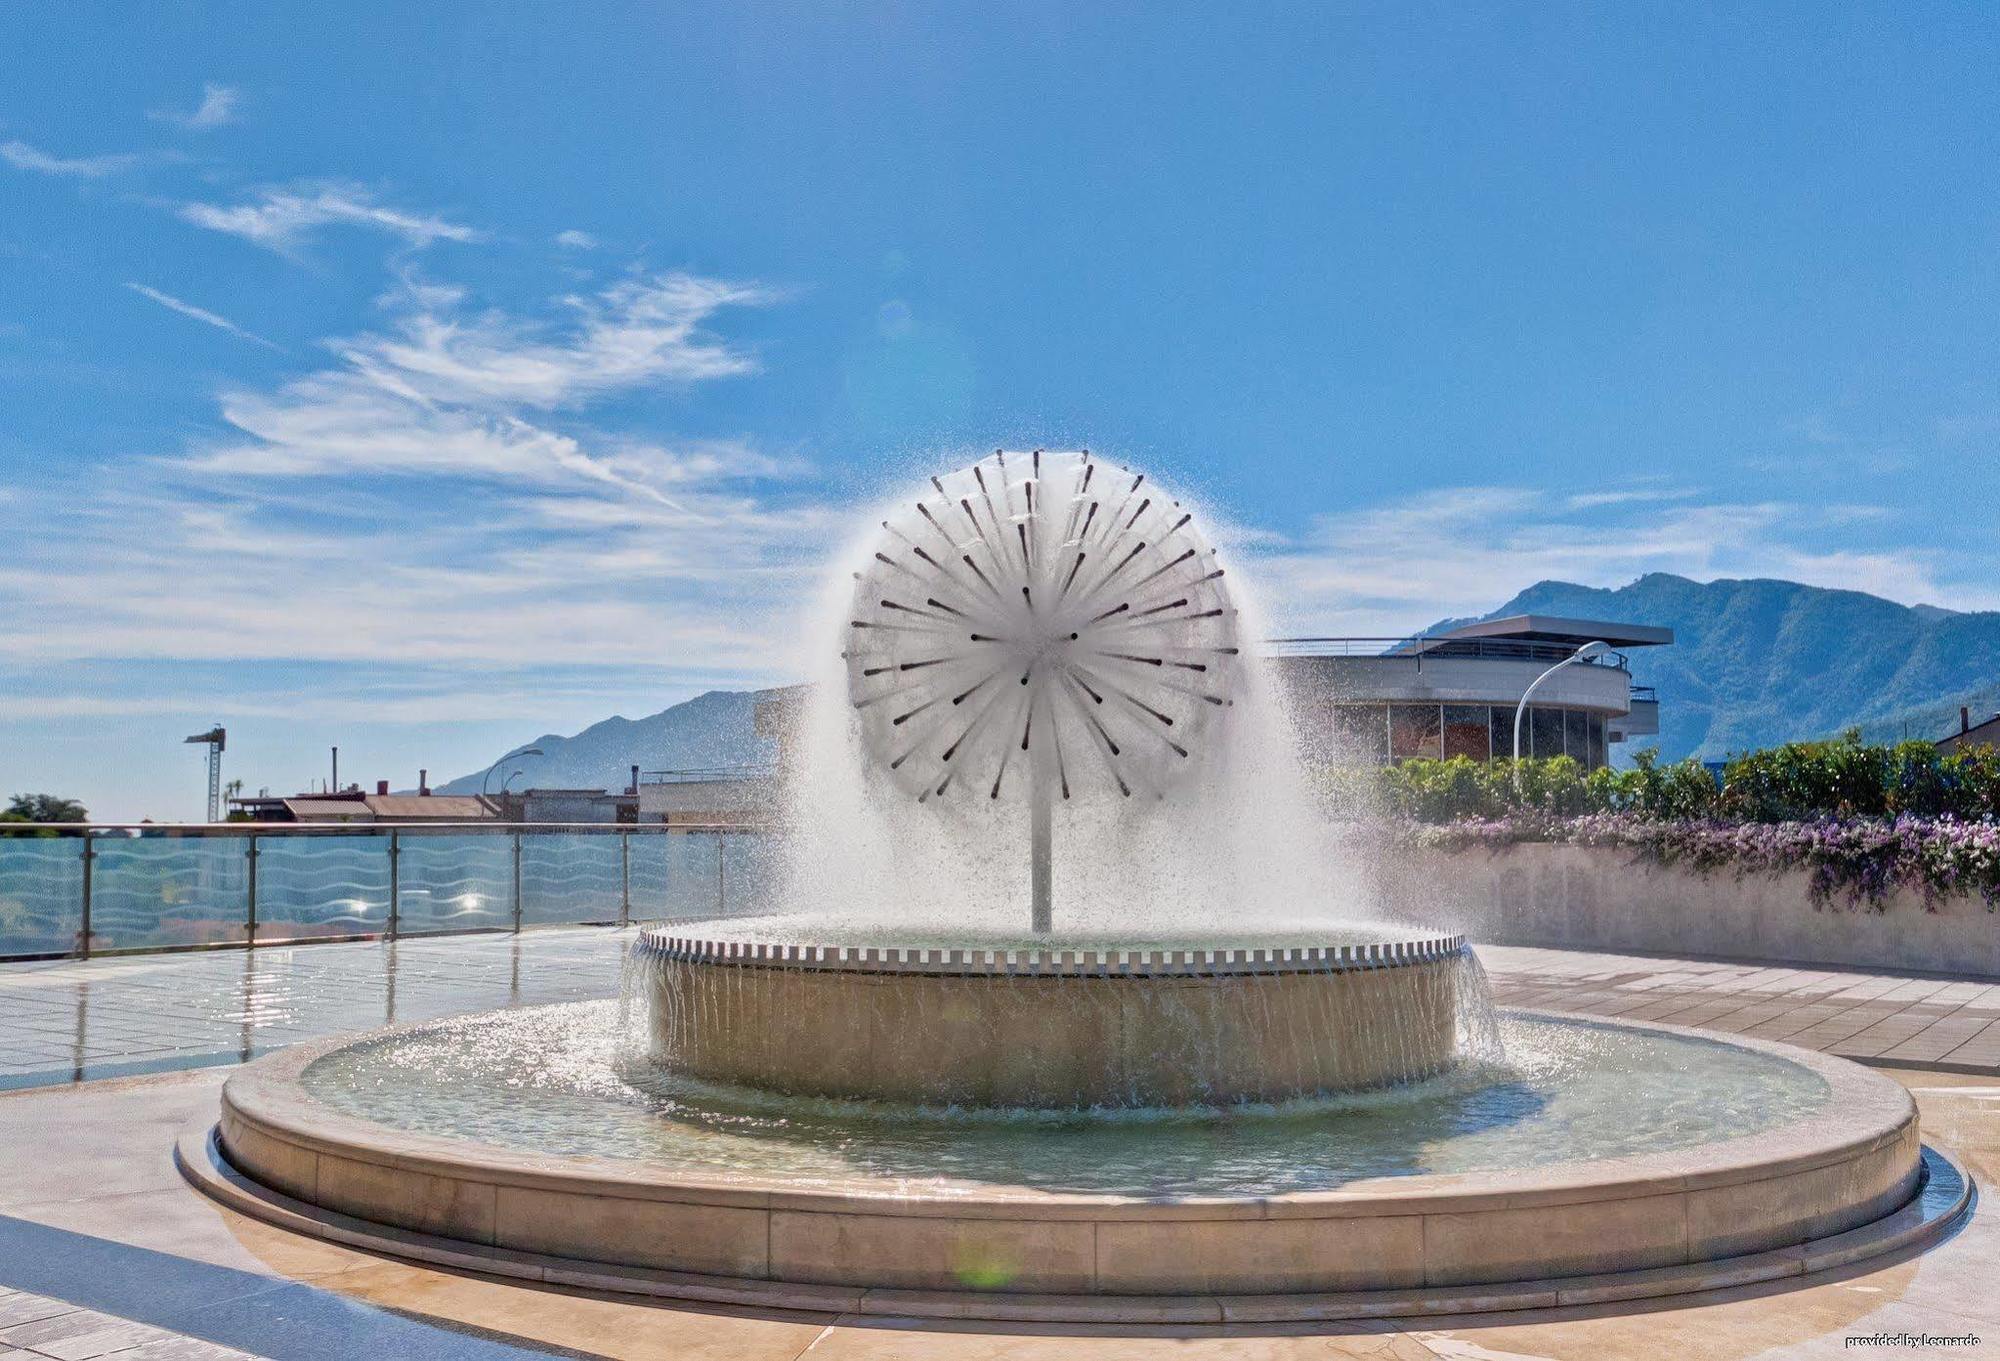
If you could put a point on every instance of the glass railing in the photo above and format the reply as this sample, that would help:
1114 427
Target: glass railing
73 889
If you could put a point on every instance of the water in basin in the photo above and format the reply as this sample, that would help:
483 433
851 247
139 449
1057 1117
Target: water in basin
565 1080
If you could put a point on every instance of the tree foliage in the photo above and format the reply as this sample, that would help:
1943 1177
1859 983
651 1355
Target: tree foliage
44 808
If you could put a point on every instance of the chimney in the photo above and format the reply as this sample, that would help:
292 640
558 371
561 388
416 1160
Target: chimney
424 781
635 781
381 786
1965 718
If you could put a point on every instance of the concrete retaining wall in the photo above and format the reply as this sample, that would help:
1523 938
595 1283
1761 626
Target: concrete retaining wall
1582 897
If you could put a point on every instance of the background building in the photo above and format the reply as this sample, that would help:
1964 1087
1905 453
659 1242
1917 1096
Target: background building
351 805
1970 734
1454 693
728 795
570 805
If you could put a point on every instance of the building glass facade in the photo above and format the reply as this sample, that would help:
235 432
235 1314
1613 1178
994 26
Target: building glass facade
1376 733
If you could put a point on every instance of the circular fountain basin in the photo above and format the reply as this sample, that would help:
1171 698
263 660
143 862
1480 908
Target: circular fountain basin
1596 1148
1064 1022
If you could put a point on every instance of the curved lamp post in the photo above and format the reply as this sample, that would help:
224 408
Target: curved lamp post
1583 654
488 777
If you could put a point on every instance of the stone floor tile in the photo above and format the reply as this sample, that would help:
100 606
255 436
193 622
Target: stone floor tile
25 1307
80 1336
905 1340
631 1330
183 1349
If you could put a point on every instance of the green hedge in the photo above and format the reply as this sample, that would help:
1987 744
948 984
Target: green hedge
1797 782
1848 778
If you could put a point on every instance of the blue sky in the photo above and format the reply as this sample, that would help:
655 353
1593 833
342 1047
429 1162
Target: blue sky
422 379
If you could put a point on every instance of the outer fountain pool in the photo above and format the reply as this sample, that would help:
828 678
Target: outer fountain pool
557 1081
547 1142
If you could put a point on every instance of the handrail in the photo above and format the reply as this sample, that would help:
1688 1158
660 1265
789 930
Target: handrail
703 774
370 828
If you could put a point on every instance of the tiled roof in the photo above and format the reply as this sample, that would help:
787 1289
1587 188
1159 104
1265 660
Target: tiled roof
440 807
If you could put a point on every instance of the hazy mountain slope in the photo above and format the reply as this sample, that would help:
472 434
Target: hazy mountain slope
715 729
1758 662
1936 719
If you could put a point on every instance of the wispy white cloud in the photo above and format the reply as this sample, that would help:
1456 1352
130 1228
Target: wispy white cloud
446 395
218 106
444 698
282 218
576 240
1628 496
24 157
436 499
639 331
203 315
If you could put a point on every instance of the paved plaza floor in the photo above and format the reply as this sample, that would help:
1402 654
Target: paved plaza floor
104 1251
78 1020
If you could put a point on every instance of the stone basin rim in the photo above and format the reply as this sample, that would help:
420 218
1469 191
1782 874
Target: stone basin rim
689 945
1875 1111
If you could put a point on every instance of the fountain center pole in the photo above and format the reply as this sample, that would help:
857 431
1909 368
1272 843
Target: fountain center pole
1041 836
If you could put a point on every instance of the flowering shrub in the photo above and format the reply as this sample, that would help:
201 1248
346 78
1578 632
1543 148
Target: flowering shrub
1860 861
1863 821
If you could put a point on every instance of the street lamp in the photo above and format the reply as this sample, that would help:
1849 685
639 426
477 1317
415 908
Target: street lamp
1585 653
488 777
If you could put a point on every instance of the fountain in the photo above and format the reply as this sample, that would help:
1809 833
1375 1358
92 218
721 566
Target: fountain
1056 633
1064 1013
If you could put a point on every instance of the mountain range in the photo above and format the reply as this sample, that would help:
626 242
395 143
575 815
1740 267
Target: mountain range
1757 662
712 730
1754 663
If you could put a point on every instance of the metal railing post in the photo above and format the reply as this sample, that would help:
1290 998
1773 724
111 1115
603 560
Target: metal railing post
83 934
395 883
624 878
517 882
250 893
721 876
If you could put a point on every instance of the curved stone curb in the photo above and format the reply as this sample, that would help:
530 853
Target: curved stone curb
1943 1197
1059 963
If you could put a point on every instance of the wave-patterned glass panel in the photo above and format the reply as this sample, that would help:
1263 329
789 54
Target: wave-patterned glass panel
321 886
157 890
454 882
570 877
674 875
41 894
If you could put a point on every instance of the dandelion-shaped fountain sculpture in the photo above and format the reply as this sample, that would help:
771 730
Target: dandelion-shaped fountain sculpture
1040 625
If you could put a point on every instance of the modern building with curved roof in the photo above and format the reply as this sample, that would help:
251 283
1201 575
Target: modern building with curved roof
1454 693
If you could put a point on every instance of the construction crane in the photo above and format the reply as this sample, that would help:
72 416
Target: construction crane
212 739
